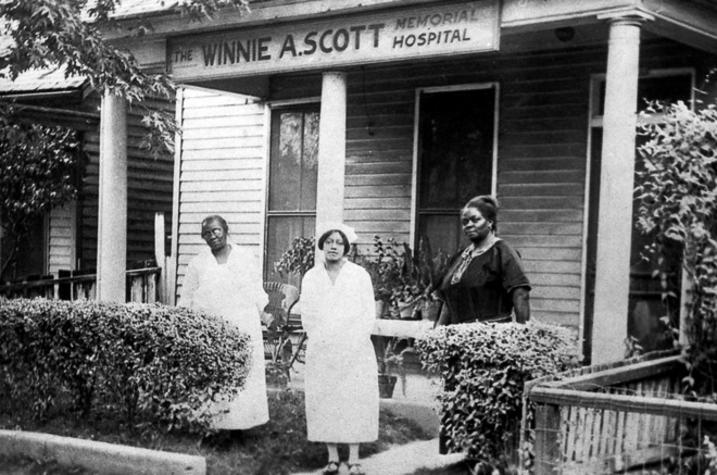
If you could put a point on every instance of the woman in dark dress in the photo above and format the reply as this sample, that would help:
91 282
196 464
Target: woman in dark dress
485 282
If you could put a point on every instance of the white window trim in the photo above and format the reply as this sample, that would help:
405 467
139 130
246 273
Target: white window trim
270 107
596 121
596 79
416 121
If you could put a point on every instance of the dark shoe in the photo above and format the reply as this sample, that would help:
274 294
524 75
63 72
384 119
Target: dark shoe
331 469
355 469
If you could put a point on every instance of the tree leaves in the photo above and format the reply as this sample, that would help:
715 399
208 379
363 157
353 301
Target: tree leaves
38 166
677 203
68 34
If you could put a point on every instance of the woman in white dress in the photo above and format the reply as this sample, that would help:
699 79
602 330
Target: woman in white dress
341 383
225 280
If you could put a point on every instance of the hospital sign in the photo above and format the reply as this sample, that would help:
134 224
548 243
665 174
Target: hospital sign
397 34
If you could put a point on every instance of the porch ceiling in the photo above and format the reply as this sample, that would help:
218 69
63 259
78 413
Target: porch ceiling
693 22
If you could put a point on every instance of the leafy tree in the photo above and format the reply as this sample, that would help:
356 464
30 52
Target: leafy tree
37 161
37 166
68 34
678 204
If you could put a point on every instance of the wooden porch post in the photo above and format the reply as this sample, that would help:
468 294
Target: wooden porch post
332 149
112 203
612 276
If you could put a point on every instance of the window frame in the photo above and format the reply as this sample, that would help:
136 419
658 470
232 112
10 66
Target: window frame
273 107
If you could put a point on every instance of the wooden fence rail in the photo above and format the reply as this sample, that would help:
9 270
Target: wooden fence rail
142 286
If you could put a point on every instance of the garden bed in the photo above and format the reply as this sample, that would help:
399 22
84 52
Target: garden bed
278 447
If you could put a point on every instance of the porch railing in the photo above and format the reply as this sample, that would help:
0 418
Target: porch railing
142 286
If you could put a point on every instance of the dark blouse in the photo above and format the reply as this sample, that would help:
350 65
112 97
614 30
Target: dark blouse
484 291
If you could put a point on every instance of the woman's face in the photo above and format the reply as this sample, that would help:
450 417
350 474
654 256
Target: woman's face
334 247
214 235
475 226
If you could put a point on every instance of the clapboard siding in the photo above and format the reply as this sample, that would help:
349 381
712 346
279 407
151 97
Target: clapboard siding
542 147
541 160
221 171
149 190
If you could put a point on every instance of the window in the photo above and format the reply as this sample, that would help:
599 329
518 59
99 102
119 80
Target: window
293 160
455 160
667 86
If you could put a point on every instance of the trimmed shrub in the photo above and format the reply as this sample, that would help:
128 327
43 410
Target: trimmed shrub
484 369
152 364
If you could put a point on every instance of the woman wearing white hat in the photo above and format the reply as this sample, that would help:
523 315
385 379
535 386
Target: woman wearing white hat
341 386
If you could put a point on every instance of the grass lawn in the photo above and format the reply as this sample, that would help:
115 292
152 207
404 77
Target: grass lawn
278 447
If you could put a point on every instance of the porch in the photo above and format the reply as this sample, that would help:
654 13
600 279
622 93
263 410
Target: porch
142 285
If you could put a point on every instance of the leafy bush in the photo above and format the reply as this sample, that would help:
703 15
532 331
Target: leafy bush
677 204
484 368
153 364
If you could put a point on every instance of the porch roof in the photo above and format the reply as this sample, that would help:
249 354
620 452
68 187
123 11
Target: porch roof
522 25
41 81
695 16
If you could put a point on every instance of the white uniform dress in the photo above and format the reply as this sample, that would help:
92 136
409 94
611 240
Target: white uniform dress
233 291
341 383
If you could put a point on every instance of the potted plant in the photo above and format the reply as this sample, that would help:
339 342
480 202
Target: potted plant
391 366
404 279
383 265
431 268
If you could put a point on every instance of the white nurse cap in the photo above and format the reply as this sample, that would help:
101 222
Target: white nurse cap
328 226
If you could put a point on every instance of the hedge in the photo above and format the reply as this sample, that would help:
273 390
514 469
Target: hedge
484 369
146 364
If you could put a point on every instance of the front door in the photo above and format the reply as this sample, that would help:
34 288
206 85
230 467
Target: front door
456 154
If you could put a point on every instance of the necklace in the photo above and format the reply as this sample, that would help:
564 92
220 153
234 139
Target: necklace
468 255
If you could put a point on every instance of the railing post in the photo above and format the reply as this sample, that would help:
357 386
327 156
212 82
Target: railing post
160 257
547 449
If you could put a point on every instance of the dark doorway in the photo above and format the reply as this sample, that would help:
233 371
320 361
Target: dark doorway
455 160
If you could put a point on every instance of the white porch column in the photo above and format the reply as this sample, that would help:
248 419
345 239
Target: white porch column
612 279
112 221
332 149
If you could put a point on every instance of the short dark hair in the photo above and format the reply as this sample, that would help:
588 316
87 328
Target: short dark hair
216 217
325 236
488 207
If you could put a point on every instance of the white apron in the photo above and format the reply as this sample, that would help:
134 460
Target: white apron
341 383
234 292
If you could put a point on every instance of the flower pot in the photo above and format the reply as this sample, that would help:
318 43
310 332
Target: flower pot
386 383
